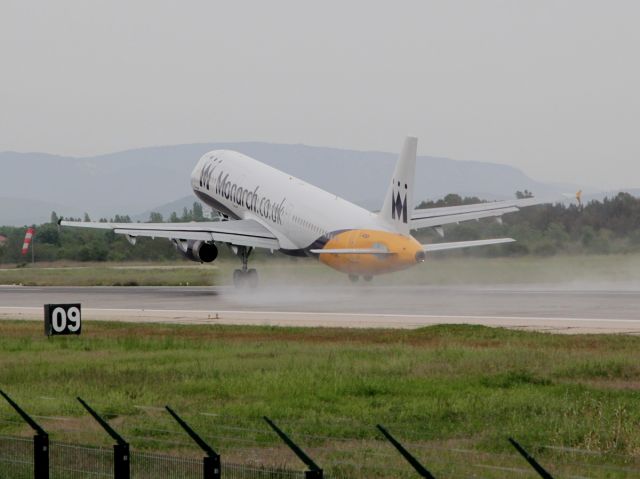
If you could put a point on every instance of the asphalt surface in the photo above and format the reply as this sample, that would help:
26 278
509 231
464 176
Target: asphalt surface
581 309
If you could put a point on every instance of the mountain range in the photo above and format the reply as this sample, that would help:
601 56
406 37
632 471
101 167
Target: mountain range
139 181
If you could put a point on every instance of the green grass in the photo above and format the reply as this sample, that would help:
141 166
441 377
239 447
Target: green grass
436 270
442 390
108 274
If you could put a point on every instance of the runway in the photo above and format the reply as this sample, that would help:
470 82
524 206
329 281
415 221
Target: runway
592 309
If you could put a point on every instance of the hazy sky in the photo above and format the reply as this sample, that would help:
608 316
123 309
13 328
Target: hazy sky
551 87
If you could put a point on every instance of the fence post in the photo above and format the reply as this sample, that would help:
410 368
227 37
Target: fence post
419 468
40 442
210 463
314 472
121 462
529 458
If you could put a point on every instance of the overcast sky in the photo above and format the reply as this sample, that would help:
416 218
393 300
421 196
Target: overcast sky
551 87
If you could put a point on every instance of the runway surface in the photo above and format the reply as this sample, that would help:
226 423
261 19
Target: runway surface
592 309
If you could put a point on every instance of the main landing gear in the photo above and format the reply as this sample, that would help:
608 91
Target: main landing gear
354 278
245 277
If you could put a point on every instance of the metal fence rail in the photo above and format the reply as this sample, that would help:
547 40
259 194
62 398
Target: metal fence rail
69 461
16 457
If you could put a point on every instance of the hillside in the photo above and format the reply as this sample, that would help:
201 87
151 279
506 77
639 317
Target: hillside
140 180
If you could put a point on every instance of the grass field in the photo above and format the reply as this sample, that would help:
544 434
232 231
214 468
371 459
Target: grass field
436 270
453 394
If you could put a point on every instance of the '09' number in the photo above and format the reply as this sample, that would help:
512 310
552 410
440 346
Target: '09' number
62 320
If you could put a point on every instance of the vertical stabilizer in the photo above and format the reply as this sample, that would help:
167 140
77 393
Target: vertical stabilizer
398 204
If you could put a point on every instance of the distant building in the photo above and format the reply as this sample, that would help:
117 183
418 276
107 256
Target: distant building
3 240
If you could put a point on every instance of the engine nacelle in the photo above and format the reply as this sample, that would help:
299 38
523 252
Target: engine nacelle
199 251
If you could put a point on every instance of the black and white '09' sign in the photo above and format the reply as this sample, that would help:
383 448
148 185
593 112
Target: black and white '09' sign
62 319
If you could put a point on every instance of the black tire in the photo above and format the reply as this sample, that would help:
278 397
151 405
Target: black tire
367 278
252 278
353 278
238 278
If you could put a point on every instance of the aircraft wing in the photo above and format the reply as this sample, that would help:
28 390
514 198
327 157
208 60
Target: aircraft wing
434 217
238 232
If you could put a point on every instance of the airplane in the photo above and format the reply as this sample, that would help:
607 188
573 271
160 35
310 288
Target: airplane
266 208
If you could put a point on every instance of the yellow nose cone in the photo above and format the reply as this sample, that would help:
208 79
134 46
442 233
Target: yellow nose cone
397 252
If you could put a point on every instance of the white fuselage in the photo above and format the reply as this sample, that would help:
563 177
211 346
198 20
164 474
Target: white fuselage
298 213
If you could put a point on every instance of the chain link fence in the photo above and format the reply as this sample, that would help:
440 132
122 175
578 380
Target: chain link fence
16 457
69 461
156 466
237 471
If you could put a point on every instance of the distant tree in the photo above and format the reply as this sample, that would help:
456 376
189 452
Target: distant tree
451 199
198 214
48 234
155 217
557 234
54 218
86 217
607 226
524 194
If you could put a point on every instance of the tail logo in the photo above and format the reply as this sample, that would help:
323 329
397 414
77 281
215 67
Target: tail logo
398 204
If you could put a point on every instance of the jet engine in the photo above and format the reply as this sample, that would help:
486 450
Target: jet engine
199 251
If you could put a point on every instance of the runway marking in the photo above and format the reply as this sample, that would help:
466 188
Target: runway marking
523 289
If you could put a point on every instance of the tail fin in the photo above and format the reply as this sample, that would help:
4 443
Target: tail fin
398 203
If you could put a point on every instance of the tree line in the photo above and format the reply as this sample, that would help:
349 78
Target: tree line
53 243
599 227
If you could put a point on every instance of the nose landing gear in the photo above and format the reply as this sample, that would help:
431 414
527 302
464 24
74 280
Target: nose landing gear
245 276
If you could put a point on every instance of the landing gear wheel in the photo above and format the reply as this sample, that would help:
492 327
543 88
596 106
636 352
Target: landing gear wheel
252 278
238 278
367 278
245 276
353 278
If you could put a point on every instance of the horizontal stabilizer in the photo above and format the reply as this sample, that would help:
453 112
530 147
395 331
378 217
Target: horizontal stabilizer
351 251
464 244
